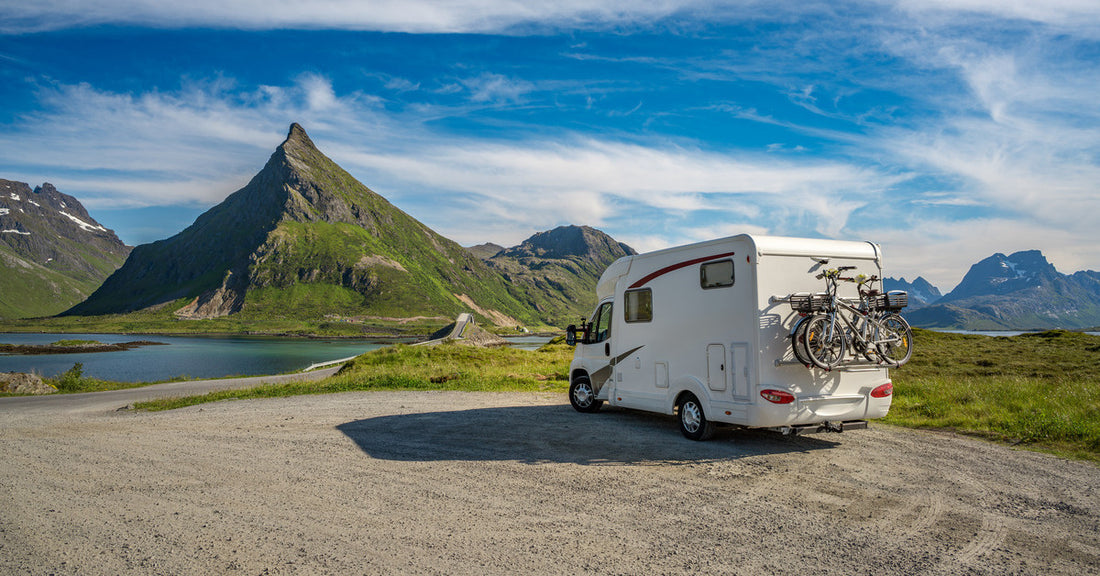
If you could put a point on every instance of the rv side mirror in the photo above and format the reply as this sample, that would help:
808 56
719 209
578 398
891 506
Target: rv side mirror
571 335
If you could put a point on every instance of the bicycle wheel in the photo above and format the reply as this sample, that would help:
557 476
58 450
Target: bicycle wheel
798 342
825 343
895 343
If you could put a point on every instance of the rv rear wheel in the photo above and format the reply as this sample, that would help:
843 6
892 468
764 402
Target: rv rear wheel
693 423
582 396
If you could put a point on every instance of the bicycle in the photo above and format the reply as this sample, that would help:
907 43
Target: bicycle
871 328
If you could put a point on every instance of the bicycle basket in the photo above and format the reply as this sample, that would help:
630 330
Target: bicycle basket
896 300
808 303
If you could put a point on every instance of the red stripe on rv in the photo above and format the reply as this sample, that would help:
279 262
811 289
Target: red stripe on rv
645 279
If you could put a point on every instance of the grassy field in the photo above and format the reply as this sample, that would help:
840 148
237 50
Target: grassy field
1040 391
403 367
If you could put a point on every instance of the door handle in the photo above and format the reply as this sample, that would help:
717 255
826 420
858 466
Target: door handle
607 349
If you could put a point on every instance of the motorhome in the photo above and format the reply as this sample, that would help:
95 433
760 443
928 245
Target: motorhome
703 331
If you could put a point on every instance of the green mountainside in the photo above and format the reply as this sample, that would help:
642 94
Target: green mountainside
304 239
52 252
557 271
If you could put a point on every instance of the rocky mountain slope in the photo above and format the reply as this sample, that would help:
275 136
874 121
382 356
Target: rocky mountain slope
1021 291
556 271
304 239
52 252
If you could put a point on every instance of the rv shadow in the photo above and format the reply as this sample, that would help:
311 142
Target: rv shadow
557 434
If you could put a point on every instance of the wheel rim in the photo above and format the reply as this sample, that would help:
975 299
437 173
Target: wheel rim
582 393
691 416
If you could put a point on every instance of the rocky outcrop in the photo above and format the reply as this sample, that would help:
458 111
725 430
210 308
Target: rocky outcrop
21 383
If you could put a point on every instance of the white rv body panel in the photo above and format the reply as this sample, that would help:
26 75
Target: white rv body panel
726 343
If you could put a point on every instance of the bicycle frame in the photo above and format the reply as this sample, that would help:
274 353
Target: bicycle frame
845 327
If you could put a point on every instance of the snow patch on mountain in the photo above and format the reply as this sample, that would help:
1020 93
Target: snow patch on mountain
83 225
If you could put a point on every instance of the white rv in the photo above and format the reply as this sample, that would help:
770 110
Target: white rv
703 331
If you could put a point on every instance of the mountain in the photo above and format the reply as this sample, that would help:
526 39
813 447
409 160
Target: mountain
556 271
304 239
921 292
52 252
485 251
1021 291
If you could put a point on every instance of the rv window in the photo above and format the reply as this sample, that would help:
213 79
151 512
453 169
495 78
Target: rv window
601 324
716 274
639 305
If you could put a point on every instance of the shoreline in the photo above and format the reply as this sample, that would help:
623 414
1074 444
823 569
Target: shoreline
86 348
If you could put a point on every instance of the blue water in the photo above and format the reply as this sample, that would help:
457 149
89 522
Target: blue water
196 356
998 332
184 356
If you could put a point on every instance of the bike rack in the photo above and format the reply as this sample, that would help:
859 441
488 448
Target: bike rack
852 366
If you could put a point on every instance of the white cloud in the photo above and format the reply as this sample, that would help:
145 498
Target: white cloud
381 15
202 143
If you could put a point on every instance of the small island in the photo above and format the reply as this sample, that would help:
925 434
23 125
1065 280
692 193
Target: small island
73 347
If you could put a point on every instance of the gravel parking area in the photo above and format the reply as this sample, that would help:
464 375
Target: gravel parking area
484 483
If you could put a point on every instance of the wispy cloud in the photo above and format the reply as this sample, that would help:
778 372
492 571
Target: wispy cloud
164 148
378 15
945 129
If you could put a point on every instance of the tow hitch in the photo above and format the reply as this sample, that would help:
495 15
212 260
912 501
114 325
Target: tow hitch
822 427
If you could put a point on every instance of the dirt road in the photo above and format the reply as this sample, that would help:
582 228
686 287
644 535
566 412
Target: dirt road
473 483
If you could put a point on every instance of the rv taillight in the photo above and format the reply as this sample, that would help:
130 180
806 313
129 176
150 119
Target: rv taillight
883 391
777 396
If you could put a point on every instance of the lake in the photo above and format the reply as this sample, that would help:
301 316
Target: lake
187 356
197 356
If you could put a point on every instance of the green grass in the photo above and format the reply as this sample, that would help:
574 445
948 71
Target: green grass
1040 390
75 343
402 367
73 381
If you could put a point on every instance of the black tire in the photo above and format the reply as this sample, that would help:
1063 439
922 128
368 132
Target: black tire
582 396
693 423
798 344
825 351
898 346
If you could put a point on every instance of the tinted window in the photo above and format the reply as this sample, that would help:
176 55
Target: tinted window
716 274
638 305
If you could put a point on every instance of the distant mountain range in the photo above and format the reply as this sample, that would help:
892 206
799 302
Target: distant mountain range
921 292
305 240
1021 291
52 253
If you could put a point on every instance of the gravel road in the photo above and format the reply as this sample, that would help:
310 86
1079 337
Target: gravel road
482 483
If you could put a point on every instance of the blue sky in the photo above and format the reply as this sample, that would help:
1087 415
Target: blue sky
944 130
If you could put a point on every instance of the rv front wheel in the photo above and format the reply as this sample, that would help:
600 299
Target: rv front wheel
693 422
582 396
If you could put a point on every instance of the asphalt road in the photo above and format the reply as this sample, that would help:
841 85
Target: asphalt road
93 402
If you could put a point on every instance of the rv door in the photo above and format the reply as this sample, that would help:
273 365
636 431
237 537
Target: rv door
595 349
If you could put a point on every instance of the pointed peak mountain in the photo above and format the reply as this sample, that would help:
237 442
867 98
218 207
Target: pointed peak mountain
297 143
305 239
